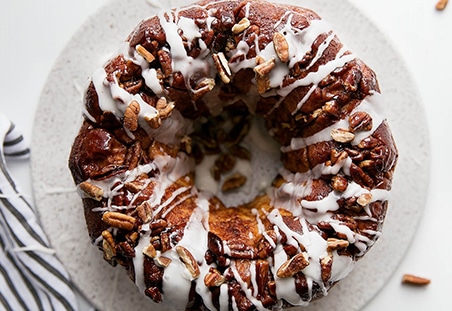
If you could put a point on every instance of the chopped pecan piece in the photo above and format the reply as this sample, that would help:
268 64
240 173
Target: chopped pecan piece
165 62
331 107
202 88
225 163
108 245
368 143
338 156
189 261
154 293
214 278
240 152
233 182
292 266
153 121
364 199
326 265
150 251
125 249
137 185
339 183
241 26
281 47
334 244
367 164
264 68
144 211
262 71
145 53
132 237
163 261
221 63
164 107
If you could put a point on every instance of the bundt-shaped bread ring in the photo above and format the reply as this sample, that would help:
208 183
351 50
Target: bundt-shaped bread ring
186 86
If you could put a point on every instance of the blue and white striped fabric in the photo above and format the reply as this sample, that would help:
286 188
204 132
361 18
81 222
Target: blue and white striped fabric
31 277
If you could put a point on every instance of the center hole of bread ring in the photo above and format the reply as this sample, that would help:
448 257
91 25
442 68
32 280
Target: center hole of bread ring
236 157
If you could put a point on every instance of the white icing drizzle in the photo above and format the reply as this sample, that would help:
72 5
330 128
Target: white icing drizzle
372 104
181 62
138 261
224 297
322 47
248 291
151 80
314 77
176 274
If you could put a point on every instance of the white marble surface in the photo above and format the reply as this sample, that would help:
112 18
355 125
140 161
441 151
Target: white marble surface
33 34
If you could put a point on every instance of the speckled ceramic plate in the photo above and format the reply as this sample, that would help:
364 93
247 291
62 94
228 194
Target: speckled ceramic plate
59 116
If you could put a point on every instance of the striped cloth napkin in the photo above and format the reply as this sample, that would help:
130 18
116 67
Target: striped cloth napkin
31 277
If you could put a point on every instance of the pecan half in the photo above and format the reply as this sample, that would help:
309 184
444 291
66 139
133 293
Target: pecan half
415 280
137 185
108 245
342 136
441 5
119 220
189 261
131 116
293 266
91 190
360 121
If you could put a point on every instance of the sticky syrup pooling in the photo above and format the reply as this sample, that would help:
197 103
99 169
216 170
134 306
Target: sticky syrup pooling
285 218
